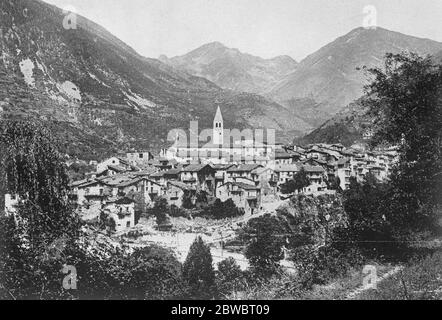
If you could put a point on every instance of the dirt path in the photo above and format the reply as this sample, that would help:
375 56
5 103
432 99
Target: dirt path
353 294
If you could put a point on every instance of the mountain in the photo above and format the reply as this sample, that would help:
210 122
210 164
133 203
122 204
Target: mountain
438 57
348 126
231 69
99 96
330 78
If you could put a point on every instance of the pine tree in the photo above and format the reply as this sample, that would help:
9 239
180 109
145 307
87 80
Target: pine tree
198 271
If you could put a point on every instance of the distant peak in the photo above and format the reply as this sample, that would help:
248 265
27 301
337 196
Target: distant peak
284 58
163 57
215 44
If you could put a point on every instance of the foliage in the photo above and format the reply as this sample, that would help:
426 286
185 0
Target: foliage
366 206
77 170
176 212
405 101
334 183
229 277
198 271
45 235
265 237
35 171
300 181
148 273
284 286
317 266
222 210
106 223
160 210
420 280
187 200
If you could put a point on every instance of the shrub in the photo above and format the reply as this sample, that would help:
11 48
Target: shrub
222 210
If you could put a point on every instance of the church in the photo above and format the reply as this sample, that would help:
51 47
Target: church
225 146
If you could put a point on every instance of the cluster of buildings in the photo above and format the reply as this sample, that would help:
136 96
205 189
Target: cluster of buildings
253 172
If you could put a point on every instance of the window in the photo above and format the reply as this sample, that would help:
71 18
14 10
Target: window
141 156
128 224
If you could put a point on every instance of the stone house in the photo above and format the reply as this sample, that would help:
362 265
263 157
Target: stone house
199 177
176 191
122 211
245 196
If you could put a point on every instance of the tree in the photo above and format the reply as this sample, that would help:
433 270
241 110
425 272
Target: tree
366 206
229 277
334 183
44 235
160 210
187 200
300 181
198 271
36 238
222 210
152 273
36 172
265 237
405 101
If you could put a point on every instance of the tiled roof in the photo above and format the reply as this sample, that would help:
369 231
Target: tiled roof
317 169
116 180
287 168
78 183
222 166
172 172
245 186
146 172
117 168
244 168
195 167
130 182
282 154
159 174
180 185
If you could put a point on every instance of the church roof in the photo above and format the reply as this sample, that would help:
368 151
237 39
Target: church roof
218 115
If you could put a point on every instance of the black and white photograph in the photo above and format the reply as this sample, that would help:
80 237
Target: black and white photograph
233 152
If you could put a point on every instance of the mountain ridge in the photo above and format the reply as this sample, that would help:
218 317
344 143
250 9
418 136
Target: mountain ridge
330 77
232 69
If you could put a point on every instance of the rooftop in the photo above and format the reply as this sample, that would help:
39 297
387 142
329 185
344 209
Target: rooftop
244 168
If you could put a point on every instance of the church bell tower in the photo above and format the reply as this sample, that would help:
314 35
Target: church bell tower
218 128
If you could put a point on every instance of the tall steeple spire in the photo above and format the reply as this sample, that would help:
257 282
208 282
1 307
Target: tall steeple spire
218 128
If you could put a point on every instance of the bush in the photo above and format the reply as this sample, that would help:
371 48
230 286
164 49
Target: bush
176 212
420 280
221 210
319 266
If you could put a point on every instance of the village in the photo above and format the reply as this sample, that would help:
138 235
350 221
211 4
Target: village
123 189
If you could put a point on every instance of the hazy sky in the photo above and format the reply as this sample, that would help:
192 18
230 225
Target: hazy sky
265 28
